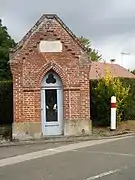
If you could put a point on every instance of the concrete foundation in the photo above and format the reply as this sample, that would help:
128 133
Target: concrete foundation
77 127
33 130
27 130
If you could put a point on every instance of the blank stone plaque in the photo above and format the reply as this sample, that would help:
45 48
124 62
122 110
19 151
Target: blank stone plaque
50 46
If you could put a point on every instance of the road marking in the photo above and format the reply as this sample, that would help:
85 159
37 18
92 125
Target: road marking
49 152
54 150
112 153
103 174
106 153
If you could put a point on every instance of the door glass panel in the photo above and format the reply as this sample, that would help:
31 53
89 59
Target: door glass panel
51 105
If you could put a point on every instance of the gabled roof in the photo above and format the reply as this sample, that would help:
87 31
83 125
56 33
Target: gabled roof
98 70
38 23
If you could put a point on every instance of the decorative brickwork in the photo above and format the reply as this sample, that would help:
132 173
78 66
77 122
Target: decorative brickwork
29 66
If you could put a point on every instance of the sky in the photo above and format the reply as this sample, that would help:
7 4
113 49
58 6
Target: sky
109 24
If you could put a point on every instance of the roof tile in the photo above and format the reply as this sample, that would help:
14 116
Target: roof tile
98 70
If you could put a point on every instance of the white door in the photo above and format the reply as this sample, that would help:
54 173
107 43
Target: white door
52 115
52 108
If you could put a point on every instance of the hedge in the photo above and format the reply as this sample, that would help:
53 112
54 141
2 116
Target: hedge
6 102
6 108
100 113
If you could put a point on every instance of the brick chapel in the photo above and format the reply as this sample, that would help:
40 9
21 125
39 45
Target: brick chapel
51 92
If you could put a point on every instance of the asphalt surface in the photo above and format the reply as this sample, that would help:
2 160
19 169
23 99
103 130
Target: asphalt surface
113 160
11 151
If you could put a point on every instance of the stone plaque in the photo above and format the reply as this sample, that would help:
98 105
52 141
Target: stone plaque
50 46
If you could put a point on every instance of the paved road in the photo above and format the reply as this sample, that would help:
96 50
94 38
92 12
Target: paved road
100 159
17 150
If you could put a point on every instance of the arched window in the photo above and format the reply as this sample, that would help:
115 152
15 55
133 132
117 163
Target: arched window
51 79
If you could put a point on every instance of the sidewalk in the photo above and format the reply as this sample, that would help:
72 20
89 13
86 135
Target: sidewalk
60 139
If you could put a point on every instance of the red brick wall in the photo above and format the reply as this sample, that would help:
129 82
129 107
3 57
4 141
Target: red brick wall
29 66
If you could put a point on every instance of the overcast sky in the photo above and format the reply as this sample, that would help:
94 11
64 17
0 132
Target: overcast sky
109 24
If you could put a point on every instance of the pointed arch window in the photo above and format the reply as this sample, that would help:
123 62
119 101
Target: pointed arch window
51 79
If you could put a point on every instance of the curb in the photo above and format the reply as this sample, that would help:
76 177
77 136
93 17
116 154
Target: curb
65 139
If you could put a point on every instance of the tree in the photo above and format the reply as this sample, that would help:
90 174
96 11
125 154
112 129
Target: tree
93 54
6 42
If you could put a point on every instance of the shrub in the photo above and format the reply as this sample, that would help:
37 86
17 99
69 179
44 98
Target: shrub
101 92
